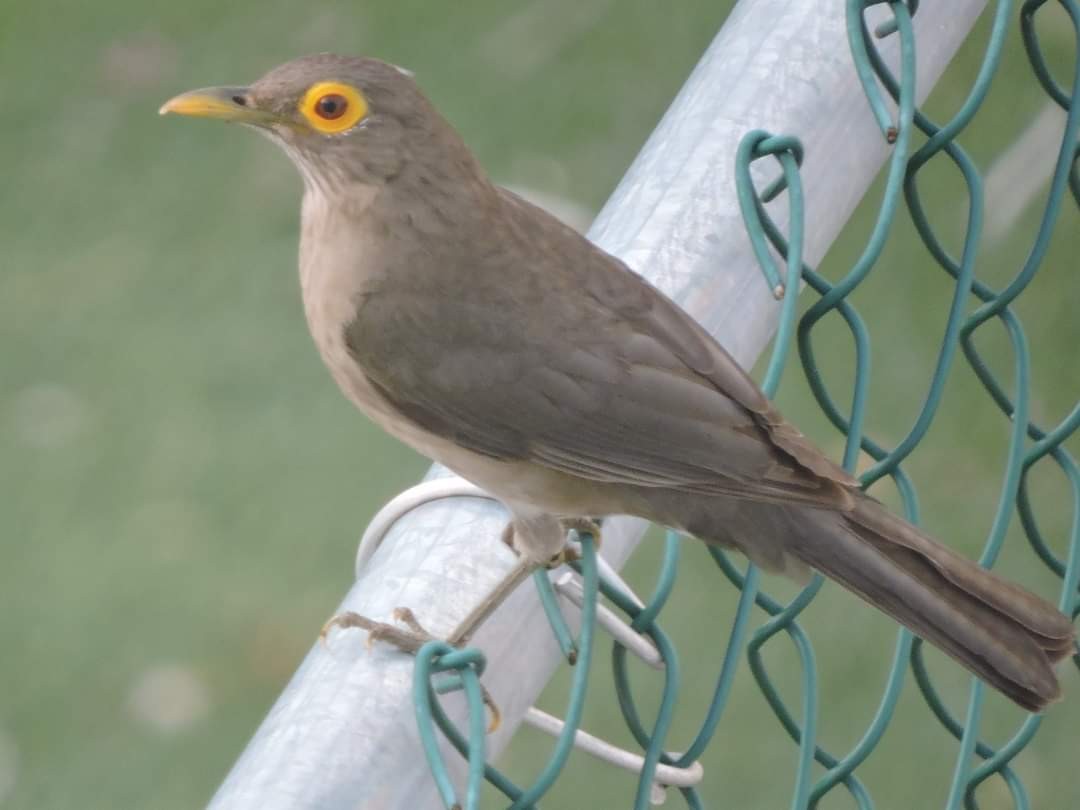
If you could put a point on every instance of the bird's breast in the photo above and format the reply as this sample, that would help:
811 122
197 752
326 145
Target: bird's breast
335 269
339 263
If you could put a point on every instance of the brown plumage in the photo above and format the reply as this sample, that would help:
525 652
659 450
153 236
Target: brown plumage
489 336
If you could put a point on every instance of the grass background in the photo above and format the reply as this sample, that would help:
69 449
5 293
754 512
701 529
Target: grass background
183 487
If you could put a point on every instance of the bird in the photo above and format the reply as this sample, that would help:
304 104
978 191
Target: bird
487 335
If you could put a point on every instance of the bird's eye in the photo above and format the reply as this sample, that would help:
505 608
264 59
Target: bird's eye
333 107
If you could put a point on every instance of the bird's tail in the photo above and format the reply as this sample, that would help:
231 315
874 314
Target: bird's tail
1001 632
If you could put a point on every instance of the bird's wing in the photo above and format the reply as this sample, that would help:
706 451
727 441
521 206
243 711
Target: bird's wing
636 393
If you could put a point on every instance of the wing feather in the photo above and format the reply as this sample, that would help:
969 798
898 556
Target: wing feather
635 393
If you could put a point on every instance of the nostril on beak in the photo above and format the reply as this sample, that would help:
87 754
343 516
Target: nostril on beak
240 100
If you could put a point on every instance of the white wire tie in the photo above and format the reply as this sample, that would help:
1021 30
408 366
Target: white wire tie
665 776
570 586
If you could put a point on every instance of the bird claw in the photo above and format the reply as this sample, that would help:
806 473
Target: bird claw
408 641
583 526
493 710
570 554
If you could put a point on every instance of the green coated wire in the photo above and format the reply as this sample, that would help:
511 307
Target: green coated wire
963 116
549 601
643 622
772 607
1035 54
1047 444
961 784
900 135
996 305
565 740
804 734
732 654
921 223
438 656
843 768
941 139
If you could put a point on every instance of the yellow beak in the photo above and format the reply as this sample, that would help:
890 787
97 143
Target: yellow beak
226 103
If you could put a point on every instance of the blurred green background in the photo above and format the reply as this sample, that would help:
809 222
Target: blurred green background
184 487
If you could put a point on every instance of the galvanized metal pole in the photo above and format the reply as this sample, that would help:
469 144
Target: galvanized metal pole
343 734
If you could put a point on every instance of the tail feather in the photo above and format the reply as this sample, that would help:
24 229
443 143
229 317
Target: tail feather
1052 630
1001 632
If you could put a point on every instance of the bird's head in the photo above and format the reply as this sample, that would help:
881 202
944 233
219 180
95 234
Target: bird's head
342 120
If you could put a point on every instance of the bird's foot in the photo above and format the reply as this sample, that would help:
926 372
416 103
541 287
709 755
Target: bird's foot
569 554
408 640
583 526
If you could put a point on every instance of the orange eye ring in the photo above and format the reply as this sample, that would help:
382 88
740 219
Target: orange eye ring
333 107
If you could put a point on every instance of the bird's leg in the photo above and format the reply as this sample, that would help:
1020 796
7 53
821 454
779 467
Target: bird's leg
414 636
521 571
521 537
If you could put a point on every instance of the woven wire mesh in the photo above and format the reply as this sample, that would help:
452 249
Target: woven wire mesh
974 305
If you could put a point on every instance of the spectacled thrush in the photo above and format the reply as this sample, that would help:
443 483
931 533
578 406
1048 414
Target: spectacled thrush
492 338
